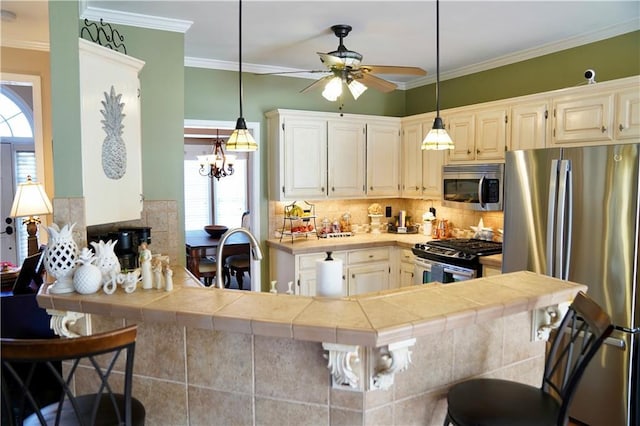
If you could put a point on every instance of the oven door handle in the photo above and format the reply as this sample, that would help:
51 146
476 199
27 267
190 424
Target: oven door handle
465 274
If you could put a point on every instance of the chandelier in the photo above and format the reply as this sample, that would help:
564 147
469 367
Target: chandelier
217 164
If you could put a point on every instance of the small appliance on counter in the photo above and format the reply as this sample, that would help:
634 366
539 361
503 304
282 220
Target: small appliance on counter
128 240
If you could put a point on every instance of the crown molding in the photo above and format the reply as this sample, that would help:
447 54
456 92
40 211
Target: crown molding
133 19
523 55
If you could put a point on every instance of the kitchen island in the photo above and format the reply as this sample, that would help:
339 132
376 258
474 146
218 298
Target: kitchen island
218 356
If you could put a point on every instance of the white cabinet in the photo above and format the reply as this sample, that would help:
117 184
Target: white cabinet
412 159
346 158
529 125
488 271
364 270
383 159
583 118
432 162
406 267
628 114
110 134
478 135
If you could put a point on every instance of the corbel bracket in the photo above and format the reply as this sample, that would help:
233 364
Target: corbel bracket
546 320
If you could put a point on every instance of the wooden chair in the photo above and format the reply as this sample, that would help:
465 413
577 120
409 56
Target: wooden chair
92 359
207 270
500 402
238 264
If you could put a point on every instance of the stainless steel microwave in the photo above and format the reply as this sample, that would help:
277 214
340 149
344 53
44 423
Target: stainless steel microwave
473 186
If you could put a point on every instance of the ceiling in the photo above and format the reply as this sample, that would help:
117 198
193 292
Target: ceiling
285 35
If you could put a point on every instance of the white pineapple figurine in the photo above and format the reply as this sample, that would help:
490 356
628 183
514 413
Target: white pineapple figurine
60 257
106 259
87 278
114 150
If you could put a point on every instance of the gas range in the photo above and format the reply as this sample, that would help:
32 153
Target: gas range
461 251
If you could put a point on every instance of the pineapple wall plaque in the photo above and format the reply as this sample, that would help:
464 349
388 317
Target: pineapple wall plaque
110 134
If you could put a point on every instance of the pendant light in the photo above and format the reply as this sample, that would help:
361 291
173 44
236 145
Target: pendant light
437 138
241 139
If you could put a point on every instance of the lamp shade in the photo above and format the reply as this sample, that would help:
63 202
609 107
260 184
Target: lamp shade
241 139
30 200
437 138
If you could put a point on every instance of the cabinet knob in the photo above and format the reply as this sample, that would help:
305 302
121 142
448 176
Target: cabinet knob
604 129
333 189
477 151
468 151
371 188
621 127
322 189
353 276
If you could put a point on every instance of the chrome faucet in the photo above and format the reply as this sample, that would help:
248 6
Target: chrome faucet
255 250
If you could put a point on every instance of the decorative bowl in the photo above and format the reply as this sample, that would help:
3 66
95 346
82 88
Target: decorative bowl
216 231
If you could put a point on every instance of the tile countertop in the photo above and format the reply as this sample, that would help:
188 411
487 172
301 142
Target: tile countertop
357 241
373 319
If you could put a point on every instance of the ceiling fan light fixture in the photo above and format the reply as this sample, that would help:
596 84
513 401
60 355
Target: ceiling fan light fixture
437 138
356 88
333 89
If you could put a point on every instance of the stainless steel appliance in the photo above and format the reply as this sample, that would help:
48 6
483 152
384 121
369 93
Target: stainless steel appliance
573 213
473 186
451 260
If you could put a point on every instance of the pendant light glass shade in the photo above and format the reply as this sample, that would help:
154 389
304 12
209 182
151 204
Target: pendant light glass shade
333 89
437 138
241 139
356 88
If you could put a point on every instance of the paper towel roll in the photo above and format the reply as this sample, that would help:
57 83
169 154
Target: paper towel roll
329 278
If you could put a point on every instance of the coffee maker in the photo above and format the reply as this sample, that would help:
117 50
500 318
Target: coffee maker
128 240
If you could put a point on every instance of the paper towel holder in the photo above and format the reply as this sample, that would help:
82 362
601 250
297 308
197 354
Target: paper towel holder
328 256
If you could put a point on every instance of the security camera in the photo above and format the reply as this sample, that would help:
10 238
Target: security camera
590 75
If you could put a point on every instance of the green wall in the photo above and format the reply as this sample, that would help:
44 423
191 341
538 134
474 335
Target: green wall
612 58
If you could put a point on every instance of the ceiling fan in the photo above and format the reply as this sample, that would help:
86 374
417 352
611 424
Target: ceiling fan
344 66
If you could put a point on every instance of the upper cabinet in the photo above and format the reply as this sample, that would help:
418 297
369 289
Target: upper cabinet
478 134
581 119
529 125
627 123
421 170
383 159
110 129
317 155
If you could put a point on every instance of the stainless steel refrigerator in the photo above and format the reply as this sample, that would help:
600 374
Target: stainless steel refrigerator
573 213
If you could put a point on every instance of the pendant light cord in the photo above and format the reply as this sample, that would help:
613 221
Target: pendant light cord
437 58
240 54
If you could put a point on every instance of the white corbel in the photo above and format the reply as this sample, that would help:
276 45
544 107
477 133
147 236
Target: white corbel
344 364
387 361
62 320
546 320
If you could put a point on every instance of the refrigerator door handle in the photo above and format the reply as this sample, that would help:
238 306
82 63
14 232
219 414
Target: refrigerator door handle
551 217
563 221
480 187
616 343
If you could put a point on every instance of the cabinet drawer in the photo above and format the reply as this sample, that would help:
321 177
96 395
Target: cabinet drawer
406 255
368 255
308 261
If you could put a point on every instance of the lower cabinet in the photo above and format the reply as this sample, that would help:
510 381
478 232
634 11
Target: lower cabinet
406 267
364 270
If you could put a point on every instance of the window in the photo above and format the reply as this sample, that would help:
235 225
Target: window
211 201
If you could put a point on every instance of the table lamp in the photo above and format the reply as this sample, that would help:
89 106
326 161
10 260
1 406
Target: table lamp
31 200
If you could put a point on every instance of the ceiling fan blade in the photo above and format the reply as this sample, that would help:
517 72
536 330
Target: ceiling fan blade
377 83
390 69
316 84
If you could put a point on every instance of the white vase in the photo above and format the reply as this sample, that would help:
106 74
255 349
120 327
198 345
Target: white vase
87 278
60 258
106 259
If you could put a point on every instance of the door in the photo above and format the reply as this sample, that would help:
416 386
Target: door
305 158
383 160
346 158
368 278
412 160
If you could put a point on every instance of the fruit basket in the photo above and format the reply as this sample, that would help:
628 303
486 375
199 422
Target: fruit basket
301 220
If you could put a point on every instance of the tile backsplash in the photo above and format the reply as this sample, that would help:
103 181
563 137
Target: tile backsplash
334 209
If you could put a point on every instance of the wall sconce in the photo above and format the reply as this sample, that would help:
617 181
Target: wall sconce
217 164
31 200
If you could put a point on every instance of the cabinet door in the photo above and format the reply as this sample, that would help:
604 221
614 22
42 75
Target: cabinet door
529 126
412 160
406 267
628 114
583 119
491 134
383 160
432 162
305 158
461 128
110 134
346 158
368 277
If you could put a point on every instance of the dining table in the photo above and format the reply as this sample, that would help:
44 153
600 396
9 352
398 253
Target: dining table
199 244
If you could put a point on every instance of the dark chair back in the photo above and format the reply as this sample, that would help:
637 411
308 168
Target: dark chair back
577 339
93 360
30 276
